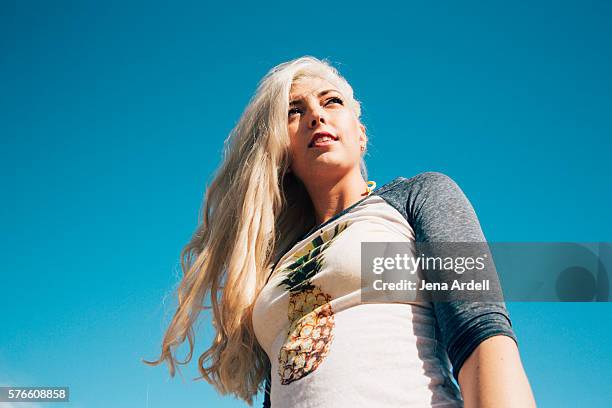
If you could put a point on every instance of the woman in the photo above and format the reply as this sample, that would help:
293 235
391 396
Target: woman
277 256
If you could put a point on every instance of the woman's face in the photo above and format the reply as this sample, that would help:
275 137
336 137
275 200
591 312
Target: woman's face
326 137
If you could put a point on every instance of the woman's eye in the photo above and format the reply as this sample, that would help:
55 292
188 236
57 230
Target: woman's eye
335 99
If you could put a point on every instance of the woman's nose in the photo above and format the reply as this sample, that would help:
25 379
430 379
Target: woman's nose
317 115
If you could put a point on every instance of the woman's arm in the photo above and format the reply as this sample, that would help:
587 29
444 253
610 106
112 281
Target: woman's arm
478 336
493 376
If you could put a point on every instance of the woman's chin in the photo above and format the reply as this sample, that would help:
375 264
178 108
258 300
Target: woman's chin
329 168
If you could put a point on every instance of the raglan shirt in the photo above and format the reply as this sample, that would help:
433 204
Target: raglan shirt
327 348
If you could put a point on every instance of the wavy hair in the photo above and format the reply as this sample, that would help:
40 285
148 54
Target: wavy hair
252 211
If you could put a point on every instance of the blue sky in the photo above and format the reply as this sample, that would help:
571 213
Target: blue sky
113 116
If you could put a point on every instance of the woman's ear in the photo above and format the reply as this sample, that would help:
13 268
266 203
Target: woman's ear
363 139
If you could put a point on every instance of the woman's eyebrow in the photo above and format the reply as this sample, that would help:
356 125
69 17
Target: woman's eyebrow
322 93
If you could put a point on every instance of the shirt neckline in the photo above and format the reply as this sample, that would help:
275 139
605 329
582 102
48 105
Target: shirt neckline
374 192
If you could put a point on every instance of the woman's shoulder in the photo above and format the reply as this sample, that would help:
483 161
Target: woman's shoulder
428 179
424 193
422 184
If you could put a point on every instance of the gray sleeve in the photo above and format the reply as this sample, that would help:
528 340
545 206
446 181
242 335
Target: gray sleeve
438 211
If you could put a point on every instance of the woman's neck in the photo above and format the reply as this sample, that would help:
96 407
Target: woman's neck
331 195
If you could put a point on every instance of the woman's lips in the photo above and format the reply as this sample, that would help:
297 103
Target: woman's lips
322 139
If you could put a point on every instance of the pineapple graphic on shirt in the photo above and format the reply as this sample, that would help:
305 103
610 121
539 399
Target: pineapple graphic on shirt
310 315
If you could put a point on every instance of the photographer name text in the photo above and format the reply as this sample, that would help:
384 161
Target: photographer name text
455 285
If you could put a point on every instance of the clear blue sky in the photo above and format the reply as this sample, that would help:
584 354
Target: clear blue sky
113 116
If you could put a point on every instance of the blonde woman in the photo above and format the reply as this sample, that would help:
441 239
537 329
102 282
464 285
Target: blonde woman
276 256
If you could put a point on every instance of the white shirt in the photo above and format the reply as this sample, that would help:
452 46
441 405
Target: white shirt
326 347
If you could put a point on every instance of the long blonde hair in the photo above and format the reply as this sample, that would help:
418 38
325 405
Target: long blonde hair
252 211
